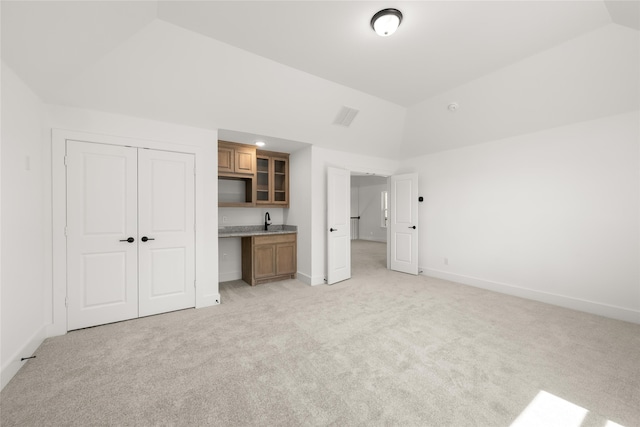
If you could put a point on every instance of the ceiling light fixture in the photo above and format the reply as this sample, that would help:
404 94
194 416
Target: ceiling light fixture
386 22
260 144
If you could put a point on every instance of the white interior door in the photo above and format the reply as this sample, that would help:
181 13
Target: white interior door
338 225
404 223
102 266
167 231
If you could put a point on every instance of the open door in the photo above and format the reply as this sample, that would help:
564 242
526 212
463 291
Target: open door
404 223
338 225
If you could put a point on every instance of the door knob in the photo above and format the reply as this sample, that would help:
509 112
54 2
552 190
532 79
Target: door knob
130 240
333 229
145 238
414 227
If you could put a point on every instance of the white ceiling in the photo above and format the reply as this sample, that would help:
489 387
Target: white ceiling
233 64
271 143
439 45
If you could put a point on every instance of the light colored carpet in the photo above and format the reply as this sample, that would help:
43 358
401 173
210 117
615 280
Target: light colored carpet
383 348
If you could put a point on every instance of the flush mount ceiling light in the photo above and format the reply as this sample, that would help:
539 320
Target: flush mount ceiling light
386 22
260 143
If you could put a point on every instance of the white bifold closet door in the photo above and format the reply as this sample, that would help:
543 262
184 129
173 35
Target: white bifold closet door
130 233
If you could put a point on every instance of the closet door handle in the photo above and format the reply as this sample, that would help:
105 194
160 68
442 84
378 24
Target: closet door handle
130 240
414 227
333 229
145 238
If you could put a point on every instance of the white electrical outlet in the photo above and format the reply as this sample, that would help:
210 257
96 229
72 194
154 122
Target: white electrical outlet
446 261
224 256
224 219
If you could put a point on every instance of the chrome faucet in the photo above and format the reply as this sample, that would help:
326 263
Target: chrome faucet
266 223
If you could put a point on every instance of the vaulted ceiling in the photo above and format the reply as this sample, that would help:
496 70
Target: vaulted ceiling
211 63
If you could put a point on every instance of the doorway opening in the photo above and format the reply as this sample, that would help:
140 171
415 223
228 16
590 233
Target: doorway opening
369 222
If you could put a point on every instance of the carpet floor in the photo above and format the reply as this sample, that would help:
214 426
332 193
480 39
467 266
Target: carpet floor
383 348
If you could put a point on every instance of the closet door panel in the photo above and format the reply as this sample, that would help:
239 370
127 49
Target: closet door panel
167 231
102 273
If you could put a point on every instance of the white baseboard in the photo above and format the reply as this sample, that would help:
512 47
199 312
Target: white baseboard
606 310
311 281
227 277
13 365
304 278
54 330
208 301
209 295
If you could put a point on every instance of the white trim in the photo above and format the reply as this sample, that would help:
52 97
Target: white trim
206 290
232 275
317 280
13 365
309 280
304 278
606 310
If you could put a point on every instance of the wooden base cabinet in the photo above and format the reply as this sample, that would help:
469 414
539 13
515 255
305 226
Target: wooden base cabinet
268 258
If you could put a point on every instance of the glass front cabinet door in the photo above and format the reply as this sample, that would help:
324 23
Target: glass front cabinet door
272 177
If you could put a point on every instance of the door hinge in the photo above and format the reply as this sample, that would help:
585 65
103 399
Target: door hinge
65 302
65 230
194 283
66 162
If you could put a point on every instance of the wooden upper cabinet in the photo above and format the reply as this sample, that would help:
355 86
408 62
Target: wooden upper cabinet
265 175
246 160
226 159
272 179
236 159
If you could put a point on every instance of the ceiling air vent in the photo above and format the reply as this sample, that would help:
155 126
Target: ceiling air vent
345 116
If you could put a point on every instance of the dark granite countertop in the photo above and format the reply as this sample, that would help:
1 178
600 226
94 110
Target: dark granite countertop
255 230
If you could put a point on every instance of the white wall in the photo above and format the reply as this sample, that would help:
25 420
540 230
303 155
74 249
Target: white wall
151 134
23 234
354 198
553 216
321 159
299 212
